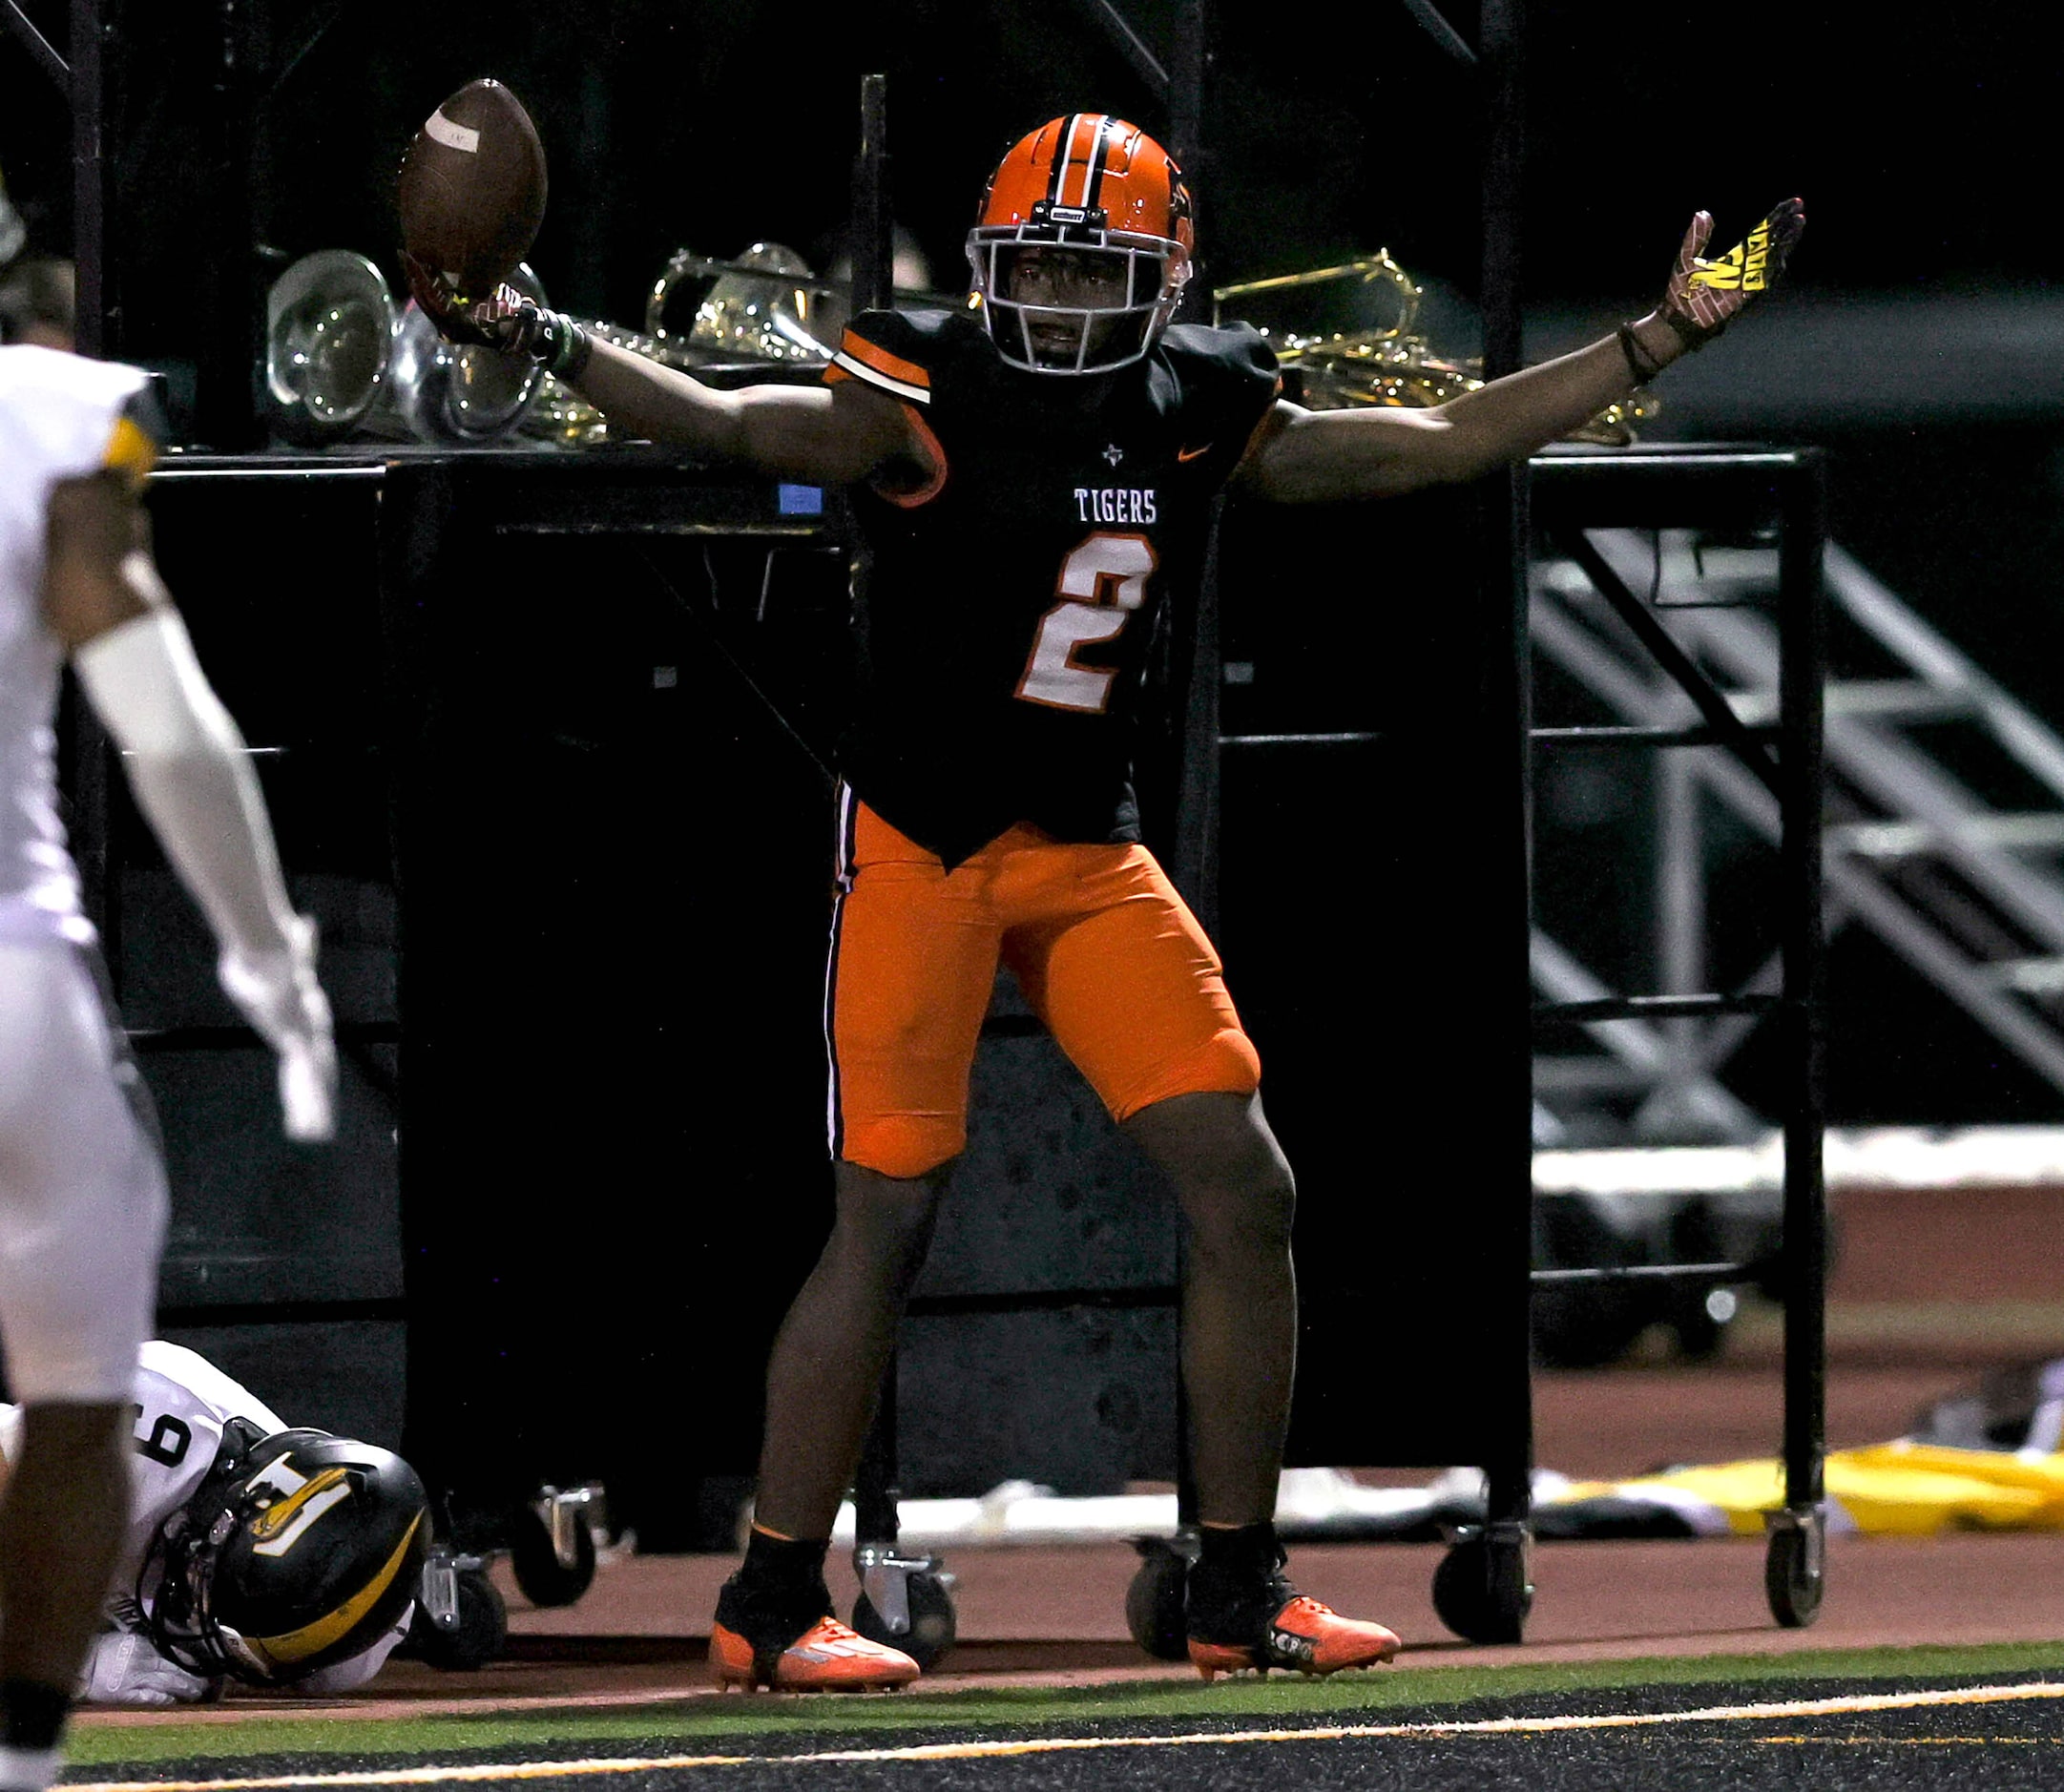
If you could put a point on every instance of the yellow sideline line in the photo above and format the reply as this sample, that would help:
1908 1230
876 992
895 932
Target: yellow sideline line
1059 1744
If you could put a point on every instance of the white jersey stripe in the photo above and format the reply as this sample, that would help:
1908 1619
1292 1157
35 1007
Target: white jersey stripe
842 871
874 376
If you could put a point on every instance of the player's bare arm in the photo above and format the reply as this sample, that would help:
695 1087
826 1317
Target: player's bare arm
97 572
818 435
1323 457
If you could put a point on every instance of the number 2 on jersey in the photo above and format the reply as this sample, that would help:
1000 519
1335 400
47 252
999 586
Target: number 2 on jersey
1102 582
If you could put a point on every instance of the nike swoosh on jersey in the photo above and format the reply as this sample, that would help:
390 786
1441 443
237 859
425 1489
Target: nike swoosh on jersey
1190 455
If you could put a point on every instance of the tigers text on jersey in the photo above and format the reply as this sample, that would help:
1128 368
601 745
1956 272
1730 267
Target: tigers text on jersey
61 417
1010 598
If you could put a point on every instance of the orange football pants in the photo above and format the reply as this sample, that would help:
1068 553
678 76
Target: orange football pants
1107 953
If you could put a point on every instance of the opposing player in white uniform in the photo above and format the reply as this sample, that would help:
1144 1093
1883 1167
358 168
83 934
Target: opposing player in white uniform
201 1439
82 1195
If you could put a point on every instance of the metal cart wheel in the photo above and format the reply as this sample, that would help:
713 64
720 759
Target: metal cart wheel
478 1632
931 1628
1155 1602
1793 1579
551 1570
1482 1590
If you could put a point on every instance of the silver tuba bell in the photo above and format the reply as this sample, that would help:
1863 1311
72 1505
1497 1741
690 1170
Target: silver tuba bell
459 394
329 342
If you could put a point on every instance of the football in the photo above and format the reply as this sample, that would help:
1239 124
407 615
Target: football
472 192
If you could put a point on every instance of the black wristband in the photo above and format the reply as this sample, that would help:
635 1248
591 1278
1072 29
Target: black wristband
570 359
1693 334
1637 362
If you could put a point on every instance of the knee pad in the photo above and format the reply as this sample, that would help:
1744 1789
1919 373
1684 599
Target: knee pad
1224 1064
902 1145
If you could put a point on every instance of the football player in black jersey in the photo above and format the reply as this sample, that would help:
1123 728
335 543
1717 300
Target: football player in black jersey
1032 476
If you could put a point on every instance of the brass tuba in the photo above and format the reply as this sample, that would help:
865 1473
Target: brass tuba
763 309
1388 364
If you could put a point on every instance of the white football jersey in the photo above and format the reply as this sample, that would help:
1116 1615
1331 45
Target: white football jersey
182 1404
61 417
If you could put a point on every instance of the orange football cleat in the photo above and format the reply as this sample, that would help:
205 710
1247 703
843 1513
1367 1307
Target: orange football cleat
1304 1634
827 1657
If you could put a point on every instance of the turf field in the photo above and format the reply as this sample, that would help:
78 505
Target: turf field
1882 1719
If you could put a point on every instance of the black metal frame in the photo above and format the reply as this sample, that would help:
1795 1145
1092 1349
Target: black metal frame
81 75
1758 487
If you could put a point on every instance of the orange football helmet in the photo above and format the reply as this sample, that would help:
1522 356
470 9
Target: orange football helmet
1111 196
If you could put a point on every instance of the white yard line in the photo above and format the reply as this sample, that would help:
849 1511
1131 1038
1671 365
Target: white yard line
1847 1706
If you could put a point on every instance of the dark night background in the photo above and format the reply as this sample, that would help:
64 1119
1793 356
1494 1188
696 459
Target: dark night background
718 124
1919 337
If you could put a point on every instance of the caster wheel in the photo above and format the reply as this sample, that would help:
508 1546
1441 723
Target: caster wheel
933 1624
1793 1580
1155 1600
1482 1589
482 1630
544 1579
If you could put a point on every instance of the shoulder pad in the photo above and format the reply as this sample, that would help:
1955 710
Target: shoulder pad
1230 372
1235 350
66 411
901 352
138 438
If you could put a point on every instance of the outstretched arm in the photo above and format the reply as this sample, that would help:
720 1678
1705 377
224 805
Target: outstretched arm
1321 456
823 436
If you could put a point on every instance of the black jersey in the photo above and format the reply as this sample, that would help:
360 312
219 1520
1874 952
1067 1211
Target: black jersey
1009 604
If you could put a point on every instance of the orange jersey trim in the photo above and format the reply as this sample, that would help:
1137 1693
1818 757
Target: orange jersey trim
911 498
920 494
871 362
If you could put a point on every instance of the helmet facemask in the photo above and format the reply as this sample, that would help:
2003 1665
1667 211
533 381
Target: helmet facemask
1146 277
182 1621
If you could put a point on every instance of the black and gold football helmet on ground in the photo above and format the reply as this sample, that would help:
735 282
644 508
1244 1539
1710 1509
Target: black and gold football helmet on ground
300 1551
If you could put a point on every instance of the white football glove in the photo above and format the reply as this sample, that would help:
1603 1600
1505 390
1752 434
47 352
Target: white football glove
123 1669
279 996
